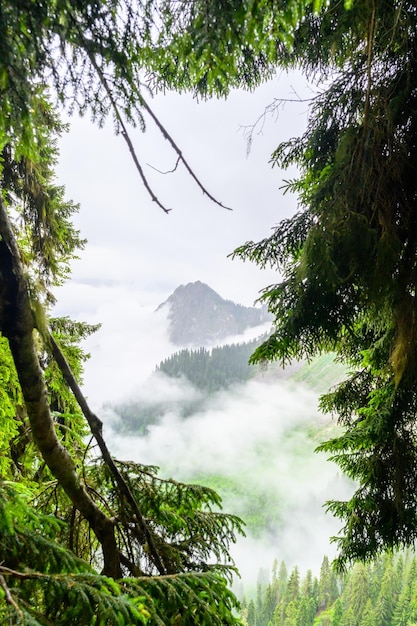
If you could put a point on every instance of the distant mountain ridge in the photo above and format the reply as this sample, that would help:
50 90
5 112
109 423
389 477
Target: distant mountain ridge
199 316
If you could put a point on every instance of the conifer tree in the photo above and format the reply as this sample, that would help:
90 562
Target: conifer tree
368 616
388 595
305 614
348 256
405 611
358 590
328 591
251 615
293 587
337 613
166 543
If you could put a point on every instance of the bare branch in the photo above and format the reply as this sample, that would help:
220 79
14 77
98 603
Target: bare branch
148 188
9 598
119 118
96 427
125 134
183 160
270 109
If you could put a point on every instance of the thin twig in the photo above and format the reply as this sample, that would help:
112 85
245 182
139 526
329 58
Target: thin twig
7 571
148 188
369 55
168 171
120 121
9 598
248 130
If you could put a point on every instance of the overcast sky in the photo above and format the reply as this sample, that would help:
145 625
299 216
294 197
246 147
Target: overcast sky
136 254
130 238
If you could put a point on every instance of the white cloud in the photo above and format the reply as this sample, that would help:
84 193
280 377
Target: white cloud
250 433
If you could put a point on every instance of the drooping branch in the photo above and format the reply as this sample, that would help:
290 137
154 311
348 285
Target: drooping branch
17 325
104 82
8 596
181 157
118 115
96 425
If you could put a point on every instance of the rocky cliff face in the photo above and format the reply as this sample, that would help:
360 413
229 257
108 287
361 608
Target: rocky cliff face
199 316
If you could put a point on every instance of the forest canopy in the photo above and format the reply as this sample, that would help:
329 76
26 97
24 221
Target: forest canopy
347 258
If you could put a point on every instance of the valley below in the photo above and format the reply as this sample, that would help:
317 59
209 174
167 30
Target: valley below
195 408
250 433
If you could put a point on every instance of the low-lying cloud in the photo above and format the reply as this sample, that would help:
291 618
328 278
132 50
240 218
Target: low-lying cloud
256 433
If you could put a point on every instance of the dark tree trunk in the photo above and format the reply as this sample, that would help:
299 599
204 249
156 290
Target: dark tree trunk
17 325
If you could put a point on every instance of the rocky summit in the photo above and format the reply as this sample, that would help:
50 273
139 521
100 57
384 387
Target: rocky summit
199 316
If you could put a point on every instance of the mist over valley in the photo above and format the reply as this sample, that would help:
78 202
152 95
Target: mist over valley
249 433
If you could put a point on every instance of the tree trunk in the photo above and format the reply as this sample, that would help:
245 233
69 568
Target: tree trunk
17 324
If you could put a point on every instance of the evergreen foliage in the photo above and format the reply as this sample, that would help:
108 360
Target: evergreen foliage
371 594
261 509
41 580
348 261
348 257
212 370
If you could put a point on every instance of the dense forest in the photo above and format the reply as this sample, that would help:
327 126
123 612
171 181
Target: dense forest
211 370
90 539
380 593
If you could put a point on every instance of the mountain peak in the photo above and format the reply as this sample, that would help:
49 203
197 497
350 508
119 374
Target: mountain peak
198 315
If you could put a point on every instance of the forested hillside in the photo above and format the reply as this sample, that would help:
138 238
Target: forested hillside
208 371
211 370
381 593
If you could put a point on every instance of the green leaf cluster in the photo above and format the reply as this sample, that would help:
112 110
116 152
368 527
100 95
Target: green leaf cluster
186 524
41 580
